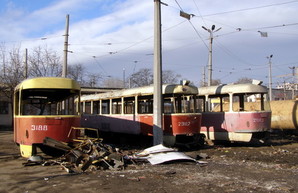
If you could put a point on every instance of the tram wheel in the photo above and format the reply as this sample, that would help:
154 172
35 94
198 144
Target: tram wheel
169 140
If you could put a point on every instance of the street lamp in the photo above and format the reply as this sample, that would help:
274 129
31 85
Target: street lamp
270 77
211 31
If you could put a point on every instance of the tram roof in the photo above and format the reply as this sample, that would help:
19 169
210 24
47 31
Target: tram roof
232 88
143 91
49 83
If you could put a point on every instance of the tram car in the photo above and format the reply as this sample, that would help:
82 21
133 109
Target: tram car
45 107
235 113
130 111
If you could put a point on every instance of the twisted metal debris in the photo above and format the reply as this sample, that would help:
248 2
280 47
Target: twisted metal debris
89 154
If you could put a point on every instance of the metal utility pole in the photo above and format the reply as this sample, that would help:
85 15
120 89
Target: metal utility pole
26 64
64 68
204 77
293 81
211 31
123 77
157 78
270 77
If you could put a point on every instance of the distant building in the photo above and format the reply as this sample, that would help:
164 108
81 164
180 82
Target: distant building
5 111
284 94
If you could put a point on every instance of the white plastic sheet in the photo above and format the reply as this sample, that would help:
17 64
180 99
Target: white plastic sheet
160 154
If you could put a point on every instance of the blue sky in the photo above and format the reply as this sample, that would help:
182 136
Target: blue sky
107 36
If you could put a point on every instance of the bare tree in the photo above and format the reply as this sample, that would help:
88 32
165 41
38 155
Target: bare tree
92 80
44 62
144 77
168 76
112 83
76 72
243 80
13 69
214 82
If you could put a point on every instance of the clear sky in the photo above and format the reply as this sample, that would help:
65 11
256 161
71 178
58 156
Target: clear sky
107 36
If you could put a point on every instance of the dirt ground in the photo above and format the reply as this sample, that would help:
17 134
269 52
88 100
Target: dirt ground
271 167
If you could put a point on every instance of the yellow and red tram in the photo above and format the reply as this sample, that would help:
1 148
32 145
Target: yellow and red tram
45 107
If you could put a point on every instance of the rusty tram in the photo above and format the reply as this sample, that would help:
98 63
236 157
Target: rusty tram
45 107
130 111
236 112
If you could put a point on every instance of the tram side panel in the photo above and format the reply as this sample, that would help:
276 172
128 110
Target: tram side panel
234 126
33 130
174 124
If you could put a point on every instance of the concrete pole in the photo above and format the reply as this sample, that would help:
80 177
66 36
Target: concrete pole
124 78
293 82
157 78
204 76
211 31
64 68
270 77
210 59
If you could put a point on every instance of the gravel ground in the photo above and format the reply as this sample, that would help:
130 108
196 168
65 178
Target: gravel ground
270 167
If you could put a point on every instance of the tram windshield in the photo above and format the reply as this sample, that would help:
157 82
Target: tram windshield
48 102
172 103
240 102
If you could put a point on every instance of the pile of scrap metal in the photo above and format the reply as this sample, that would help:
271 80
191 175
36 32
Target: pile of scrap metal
89 154
92 154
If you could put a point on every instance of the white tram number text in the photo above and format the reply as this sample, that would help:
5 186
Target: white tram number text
39 127
183 124
258 120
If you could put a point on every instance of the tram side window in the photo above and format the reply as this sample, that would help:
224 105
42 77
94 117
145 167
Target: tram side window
220 103
105 107
116 106
87 108
225 102
255 102
145 105
95 107
168 105
200 104
129 105
71 106
241 103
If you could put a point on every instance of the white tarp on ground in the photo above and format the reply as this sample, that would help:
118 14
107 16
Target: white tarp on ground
159 154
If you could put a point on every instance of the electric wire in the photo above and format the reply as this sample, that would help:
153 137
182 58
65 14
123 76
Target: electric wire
198 34
251 8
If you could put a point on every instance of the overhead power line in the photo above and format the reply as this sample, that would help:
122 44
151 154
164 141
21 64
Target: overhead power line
198 34
251 8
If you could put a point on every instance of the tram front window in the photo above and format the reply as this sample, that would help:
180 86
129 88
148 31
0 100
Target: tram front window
61 102
179 104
